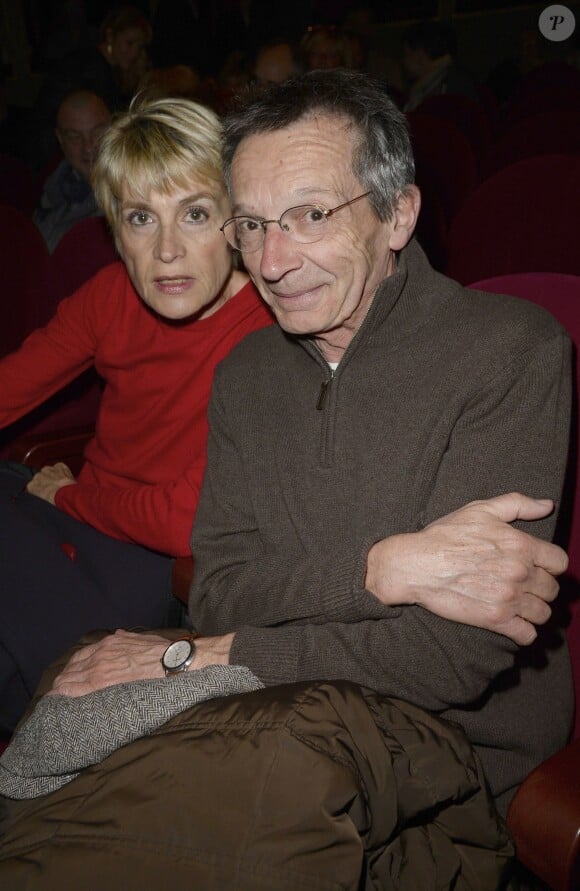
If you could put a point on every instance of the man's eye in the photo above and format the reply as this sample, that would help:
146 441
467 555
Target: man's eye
314 215
138 218
247 225
197 215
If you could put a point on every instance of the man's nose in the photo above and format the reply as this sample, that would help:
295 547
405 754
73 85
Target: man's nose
280 252
89 145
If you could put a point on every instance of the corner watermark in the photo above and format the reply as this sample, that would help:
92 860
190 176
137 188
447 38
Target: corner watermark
557 23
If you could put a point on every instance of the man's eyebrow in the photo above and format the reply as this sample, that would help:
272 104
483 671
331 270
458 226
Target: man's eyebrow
238 211
300 196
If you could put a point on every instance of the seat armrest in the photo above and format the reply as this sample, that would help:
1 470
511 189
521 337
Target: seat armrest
544 819
181 578
38 449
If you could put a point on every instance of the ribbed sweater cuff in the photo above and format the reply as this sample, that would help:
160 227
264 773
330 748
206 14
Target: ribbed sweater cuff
271 653
344 595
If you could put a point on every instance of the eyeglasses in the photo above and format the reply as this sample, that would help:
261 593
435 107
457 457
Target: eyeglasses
306 223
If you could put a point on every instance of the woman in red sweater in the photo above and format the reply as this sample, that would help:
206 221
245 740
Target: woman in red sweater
154 327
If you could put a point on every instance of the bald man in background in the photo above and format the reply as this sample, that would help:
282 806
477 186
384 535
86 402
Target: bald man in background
67 197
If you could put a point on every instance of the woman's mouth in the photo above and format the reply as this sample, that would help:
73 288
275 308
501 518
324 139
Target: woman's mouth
173 286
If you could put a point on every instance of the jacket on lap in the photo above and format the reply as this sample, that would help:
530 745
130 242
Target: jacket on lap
309 786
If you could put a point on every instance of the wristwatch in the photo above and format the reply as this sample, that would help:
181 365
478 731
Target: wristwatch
178 656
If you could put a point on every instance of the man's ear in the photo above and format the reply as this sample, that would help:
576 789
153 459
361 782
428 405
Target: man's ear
405 217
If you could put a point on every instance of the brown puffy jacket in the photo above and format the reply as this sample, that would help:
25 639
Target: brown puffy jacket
306 786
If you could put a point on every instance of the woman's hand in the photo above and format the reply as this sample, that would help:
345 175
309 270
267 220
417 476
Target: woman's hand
46 483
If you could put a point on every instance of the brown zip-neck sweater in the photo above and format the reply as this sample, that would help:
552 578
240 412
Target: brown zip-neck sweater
443 396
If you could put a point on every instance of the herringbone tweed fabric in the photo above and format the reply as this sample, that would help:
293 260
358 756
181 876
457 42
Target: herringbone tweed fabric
65 734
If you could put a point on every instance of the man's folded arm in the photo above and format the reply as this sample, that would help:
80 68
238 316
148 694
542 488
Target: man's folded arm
470 566
450 665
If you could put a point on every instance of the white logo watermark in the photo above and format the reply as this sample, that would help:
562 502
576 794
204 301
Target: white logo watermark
557 22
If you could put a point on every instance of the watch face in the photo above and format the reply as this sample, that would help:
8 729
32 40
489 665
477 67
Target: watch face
176 654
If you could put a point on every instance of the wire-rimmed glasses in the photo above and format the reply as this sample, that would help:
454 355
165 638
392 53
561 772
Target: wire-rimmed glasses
305 223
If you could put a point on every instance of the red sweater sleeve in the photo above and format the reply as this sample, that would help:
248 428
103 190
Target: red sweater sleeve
159 517
54 355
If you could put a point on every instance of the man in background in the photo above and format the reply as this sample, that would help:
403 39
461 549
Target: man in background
67 197
274 63
430 64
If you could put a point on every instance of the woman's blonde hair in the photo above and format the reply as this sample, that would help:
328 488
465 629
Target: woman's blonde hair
157 144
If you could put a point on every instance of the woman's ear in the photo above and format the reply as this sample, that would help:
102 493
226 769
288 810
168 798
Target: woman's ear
405 217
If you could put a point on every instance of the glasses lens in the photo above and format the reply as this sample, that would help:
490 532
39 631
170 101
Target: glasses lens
305 223
244 234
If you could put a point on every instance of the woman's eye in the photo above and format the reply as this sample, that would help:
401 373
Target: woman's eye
138 218
197 215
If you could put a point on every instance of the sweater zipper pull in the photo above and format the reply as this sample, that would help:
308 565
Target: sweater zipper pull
324 387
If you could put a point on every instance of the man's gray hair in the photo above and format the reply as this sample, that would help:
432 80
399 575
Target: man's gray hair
383 158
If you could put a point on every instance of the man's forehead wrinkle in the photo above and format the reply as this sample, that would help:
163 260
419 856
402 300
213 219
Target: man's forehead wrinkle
307 161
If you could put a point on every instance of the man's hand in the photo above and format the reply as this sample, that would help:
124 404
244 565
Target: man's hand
46 483
472 567
125 656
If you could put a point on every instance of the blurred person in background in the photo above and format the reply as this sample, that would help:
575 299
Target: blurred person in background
430 65
274 62
117 65
114 68
323 46
67 196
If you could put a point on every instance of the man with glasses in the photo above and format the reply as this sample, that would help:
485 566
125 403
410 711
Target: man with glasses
338 536
332 538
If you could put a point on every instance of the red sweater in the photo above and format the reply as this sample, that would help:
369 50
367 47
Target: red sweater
143 469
